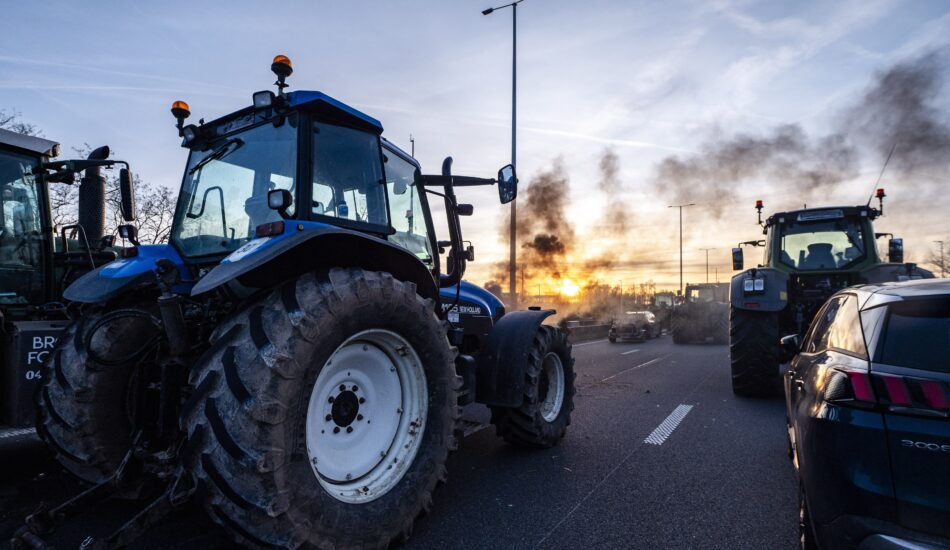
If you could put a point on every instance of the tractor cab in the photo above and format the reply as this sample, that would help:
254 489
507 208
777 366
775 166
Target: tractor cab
828 239
23 215
302 166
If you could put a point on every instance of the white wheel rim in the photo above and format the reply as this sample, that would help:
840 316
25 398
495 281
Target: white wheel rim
551 386
366 416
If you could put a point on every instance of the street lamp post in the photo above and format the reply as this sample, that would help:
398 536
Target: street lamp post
943 266
707 261
681 207
513 228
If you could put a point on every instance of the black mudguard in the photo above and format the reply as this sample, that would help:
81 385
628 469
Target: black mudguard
92 288
311 249
774 298
504 358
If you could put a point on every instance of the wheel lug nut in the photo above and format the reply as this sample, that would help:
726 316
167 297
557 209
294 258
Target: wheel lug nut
336 430
342 387
354 388
329 417
331 399
362 400
359 417
349 429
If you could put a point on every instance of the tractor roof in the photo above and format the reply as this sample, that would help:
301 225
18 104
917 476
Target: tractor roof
31 144
320 101
825 213
317 102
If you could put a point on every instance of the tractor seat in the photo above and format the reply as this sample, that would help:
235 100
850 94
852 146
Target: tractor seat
819 257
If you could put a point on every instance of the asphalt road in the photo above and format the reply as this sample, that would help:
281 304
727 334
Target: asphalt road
660 454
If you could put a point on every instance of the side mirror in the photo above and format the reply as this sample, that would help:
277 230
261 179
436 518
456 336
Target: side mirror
279 200
400 186
465 209
127 195
895 251
507 184
129 233
737 259
790 345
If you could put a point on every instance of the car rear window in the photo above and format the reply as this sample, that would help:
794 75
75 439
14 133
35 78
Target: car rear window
917 335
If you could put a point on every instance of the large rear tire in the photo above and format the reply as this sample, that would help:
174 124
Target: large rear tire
83 413
680 329
753 351
324 414
545 412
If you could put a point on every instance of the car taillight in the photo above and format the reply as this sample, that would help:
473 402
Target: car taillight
899 393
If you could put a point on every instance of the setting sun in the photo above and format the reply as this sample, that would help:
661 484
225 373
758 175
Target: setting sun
569 288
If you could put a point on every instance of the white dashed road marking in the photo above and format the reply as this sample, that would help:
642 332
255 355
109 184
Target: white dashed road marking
17 433
666 427
589 343
629 352
641 365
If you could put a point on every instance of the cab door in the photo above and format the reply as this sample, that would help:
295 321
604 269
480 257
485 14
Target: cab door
24 247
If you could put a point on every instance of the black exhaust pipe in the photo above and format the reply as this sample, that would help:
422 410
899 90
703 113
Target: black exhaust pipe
92 199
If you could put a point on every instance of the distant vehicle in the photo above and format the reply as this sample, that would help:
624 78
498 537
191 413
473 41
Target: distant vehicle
703 317
634 325
662 307
809 255
868 402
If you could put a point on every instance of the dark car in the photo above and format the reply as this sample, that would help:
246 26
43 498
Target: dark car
634 325
868 402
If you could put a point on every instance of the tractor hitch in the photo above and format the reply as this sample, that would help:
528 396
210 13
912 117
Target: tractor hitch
44 522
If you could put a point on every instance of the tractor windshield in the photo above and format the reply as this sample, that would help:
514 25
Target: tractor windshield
21 244
703 294
224 194
825 245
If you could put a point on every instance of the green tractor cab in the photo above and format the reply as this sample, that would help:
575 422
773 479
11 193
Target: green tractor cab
809 255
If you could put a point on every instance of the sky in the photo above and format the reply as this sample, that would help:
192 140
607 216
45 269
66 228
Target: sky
644 80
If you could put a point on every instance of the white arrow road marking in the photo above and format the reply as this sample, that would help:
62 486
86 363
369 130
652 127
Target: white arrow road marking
663 431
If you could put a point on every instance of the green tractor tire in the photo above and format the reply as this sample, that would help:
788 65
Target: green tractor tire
754 352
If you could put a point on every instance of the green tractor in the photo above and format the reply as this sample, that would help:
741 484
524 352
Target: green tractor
297 356
809 255
36 265
703 316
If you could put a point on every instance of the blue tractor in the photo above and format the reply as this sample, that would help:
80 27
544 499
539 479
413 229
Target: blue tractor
297 355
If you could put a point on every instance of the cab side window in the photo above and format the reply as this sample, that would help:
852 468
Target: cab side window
408 217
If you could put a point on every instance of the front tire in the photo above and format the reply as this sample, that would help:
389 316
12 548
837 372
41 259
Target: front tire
753 352
545 412
83 408
286 465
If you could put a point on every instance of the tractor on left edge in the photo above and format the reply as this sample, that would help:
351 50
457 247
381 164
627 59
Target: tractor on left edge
36 265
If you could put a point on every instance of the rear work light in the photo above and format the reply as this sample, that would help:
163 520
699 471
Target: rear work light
903 394
269 229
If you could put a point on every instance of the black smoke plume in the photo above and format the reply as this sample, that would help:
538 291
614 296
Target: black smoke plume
900 106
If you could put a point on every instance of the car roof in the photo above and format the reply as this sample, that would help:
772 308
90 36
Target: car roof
873 295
